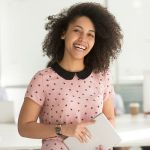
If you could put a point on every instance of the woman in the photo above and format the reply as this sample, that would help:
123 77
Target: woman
76 86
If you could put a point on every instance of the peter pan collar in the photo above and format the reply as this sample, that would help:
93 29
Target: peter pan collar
69 75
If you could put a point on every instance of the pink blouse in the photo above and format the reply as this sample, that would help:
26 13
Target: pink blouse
68 101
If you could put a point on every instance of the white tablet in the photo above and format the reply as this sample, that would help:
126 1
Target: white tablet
103 133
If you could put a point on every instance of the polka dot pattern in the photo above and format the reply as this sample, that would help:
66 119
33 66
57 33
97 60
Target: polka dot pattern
68 101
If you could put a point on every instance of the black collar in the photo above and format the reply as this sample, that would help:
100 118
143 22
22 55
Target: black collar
69 75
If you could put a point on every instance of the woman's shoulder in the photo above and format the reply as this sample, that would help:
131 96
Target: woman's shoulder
44 72
102 75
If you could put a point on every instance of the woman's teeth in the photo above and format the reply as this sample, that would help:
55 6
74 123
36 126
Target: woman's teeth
80 47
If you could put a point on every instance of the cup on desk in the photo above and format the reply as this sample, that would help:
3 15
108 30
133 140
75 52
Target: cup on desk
134 108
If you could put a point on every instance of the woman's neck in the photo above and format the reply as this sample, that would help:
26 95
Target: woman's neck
72 66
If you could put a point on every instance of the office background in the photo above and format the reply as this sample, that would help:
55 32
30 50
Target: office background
22 32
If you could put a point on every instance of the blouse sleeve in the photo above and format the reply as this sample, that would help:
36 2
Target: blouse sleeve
108 87
35 89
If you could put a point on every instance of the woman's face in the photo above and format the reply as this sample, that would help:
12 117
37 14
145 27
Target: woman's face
79 38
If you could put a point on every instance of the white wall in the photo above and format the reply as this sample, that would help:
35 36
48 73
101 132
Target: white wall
133 16
22 36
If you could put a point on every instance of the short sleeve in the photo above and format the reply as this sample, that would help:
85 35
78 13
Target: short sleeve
108 87
35 89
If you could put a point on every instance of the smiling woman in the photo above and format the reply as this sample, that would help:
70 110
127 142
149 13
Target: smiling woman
76 86
79 40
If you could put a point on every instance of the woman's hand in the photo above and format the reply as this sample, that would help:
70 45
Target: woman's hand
100 147
78 131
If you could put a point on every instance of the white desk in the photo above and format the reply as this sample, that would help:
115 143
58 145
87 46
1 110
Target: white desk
11 140
133 131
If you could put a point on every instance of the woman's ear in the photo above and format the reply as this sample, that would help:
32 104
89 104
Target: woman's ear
63 35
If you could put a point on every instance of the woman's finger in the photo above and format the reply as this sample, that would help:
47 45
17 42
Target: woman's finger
87 132
100 147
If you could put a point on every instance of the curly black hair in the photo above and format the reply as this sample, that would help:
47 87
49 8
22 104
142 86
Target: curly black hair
108 36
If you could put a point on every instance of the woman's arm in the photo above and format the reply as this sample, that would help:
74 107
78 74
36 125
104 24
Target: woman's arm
28 126
108 110
27 123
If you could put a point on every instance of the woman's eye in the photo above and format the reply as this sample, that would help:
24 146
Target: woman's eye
76 30
91 35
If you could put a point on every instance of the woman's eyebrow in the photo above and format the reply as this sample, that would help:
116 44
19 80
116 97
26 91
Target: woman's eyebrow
82 28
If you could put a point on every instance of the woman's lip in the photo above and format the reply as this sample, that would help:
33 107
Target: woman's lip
79 46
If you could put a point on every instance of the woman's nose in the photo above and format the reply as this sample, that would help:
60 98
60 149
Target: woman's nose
82 37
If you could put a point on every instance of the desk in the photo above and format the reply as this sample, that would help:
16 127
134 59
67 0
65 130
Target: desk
11 140
134 131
